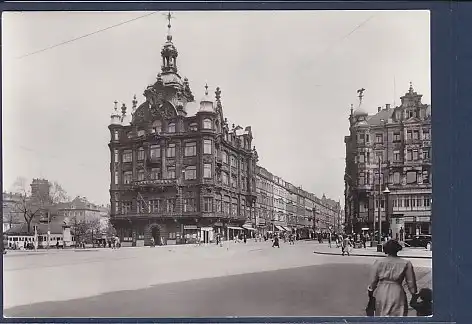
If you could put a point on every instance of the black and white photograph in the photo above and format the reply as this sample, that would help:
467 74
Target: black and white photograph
213 164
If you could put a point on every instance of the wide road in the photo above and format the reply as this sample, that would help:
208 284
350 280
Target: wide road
186 281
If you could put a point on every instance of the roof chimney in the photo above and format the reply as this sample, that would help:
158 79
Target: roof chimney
379 109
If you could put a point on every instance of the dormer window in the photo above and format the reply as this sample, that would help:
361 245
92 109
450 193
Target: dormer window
156 126
171 128
207 124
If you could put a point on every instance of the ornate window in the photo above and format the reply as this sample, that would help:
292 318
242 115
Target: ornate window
207 204
411 177
171 128
140 154
141 175
116 135
127 177
156 126
189 205
116 177
426 134
127 156
191 149
207 170
193 127
170 172
207 147
155 174
116 156
171 150
191 172
155 205
170 205
396 177
207 124
224 157
126 207
155 151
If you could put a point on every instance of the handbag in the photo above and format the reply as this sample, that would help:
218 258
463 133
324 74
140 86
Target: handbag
370 308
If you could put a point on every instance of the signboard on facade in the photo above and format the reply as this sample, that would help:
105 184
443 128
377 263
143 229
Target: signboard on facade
190 227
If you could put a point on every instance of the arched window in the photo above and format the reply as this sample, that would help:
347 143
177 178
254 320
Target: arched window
207 124
171 128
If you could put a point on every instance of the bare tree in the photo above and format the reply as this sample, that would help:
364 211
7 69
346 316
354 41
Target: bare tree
85 231
35 207
28 208
57 194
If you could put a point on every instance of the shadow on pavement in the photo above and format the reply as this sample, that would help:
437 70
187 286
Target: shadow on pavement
322 290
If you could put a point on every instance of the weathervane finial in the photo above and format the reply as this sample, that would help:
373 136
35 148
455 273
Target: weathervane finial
361 95
206 89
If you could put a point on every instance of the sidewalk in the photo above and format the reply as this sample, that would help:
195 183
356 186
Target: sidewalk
416 253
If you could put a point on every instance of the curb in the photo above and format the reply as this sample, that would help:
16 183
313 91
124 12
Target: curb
373 255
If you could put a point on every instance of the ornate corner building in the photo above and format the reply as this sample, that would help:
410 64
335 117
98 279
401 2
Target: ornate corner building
390 149
178 177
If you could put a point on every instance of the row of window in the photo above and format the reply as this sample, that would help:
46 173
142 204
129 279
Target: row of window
412 177
189 205
411 155
190 173
190 149
171 128
410 135
402 202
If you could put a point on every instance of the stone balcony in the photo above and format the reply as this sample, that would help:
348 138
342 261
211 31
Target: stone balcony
154 183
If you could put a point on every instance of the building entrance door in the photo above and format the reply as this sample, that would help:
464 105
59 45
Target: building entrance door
206 237
156 235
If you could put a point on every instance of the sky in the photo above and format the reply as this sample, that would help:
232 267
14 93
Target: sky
291 75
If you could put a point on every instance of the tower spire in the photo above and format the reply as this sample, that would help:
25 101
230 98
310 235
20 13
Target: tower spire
206 89
169 52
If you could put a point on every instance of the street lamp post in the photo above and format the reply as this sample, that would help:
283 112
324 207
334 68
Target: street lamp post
386 193
379 219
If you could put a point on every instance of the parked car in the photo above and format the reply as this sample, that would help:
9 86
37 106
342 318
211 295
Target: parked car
419 241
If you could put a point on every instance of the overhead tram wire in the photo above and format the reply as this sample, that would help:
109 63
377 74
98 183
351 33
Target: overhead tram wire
86 35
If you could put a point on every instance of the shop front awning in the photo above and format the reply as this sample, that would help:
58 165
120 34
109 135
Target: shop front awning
235 228
280 228
248 227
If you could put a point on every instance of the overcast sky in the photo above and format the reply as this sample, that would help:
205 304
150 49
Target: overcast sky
290 75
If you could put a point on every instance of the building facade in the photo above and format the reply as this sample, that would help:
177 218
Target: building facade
178 177
390 149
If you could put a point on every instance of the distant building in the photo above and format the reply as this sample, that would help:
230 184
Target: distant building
400 138
10 213
281 206
81 209
40 189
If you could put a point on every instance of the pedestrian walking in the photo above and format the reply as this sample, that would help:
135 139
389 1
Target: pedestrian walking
345 245
364 241
329 240
424 307
276 242
386 284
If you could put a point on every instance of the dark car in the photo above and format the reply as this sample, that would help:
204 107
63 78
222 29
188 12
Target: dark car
419 241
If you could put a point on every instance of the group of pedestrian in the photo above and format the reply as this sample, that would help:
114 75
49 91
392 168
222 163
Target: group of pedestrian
386 294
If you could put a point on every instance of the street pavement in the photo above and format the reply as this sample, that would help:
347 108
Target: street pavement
421 253
237 279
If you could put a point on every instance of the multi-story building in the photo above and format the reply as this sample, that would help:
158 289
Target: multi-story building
11 214
390 149
178 177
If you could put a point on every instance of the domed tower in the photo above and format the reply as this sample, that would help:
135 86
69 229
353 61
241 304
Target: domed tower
115 116
206 104
169 52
